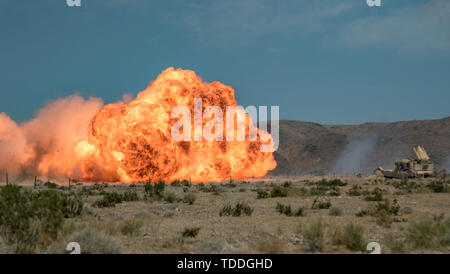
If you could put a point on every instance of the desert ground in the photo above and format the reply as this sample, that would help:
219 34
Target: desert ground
301 214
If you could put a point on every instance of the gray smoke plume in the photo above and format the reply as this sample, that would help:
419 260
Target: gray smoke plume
446 164
353 157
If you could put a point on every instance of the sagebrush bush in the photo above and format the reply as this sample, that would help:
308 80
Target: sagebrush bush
98 187
191 232
278 191
355 190
382 211
148 188
429 233
93 241
334 192
384 219
352 237
396 245
262 194
27 218
330 183
271 246
110 199
302 191
71 206
170 197
210 188
50 185
102 203
86 191
189 198
287 210
441 186
159 188
316 191
284 209
405 186
131 226
226 211
155 189
209 246
113 197
236 211
375 195
130 196
314 236
387 207
299 212
321 203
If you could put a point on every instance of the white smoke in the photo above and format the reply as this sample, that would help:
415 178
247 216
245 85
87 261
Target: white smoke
446 164
353 157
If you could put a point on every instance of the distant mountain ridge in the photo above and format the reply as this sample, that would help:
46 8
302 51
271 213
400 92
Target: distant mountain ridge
307 148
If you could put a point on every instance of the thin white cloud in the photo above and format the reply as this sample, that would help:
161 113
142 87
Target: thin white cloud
232 22
425 26
229 23
134 4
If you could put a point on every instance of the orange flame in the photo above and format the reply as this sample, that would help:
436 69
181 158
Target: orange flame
131 141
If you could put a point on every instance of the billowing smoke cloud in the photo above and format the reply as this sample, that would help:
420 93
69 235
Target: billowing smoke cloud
131 140
13 145
353 157
36 146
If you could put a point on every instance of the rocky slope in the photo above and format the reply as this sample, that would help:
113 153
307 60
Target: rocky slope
323 149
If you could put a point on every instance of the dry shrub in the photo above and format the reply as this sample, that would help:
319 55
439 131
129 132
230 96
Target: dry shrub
429 233
131 227
271 245
314 236
351 236
93 241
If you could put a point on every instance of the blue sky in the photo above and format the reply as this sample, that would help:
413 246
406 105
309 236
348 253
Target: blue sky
330 61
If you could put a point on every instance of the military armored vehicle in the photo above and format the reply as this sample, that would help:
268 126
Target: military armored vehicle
420 167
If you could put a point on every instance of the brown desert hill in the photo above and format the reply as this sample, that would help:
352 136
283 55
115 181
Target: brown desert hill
325 149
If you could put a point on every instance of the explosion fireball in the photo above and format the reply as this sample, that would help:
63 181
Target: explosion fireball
131 141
